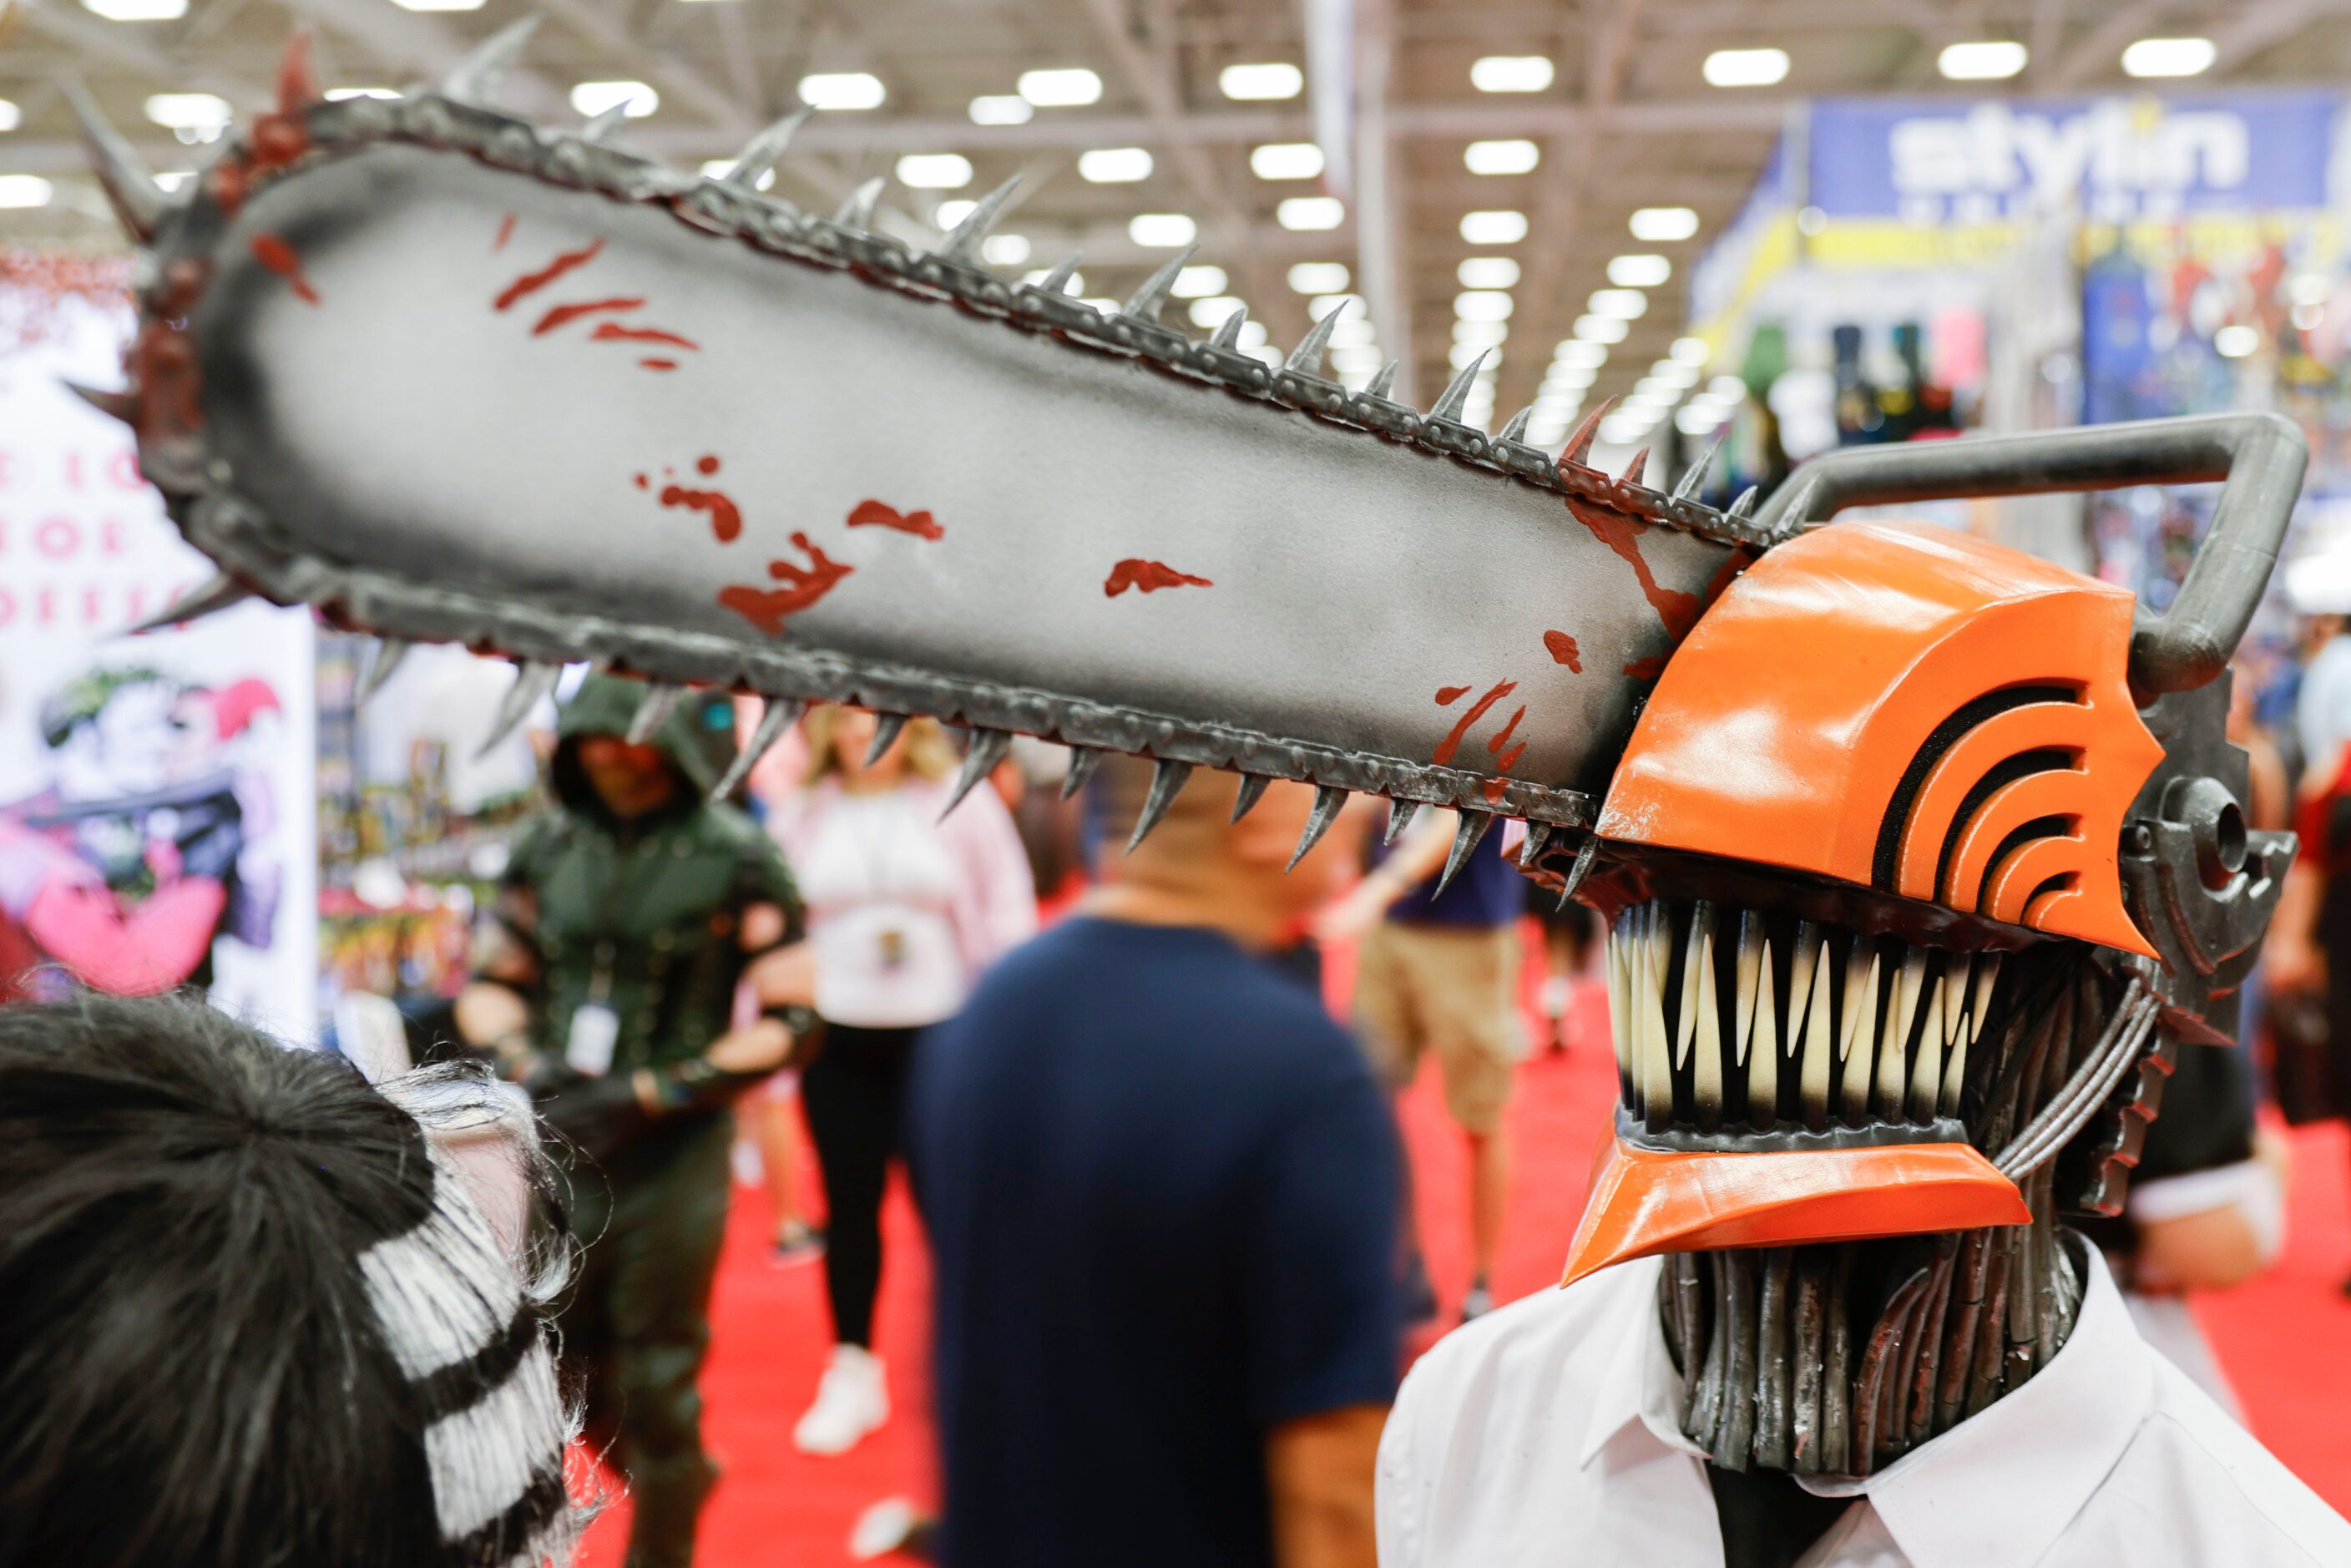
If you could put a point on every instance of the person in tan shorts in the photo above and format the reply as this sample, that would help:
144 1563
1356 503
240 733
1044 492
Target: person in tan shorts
1439 972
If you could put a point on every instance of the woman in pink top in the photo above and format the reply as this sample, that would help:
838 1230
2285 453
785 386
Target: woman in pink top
904 909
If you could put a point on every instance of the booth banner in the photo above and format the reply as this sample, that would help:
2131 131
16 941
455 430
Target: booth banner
156 792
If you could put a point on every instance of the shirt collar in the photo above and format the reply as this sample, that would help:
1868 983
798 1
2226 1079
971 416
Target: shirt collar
1640 1385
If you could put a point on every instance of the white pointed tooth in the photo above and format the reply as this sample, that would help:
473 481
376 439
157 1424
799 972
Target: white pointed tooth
1656 1050
1955 995
1813 1081
1763 1047
1809 938
1619 1009
1893 1049
1702 930
1926 1073
1751 959
1706 1081
1987 978
1955 1075
1857 1045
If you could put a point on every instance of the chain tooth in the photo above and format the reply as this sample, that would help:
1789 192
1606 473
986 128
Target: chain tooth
1538 840
138 202
217 595
1744 508
1228 330
1585 855
887 728
1456 396
600 128
476 78
1167 782
1820 1028
963 241
1251 791
654 708
779 715
988 748
1379 385
760 154
1084 760
1636 468
1400 816
1695 479
1465 842
1145 303
857 212
1516 429
1058 280
1578 450
1306 360
122 405
1328 801
389 652
533 681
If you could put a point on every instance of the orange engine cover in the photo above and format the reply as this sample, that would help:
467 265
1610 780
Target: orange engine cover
1910 708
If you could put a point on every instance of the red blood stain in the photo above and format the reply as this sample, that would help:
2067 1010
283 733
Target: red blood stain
643 482
1647 669
1476 710
1448 696
530 283
1734 563
705 466
1564 651
726 516
297 82
881 515
1495 746
614 332
767 608
228 186
1495 788
566 313
1678 611
1148 576
657 364
1509 759
278 257
506 232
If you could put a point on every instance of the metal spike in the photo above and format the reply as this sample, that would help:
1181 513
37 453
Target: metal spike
1763 1046
1584 856
1636 468
138 201
759 154
1820 1044
1400 816
1987 978
1328 799
1744 507
1306 360
1686 1019
1752 951
122 406
1167 780
1578 449
1620 1016
1379 384
963 241
886 730
1705 1077
780 715
1860 1029
654 709
987 749
857 211
475 79
1894 1048
1694 480
1252 791
218 594
1517 429
1058 280
1146 302
605 124
1465 841
1084 760
1450 404
388 655
1926 1073
1538 840
532 680
298 80
1228 330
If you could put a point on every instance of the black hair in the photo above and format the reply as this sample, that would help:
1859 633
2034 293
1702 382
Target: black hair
193 1373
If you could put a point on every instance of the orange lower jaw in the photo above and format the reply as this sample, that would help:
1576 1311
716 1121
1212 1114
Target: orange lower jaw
1646 1201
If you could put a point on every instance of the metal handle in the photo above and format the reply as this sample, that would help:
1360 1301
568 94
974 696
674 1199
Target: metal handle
2260 457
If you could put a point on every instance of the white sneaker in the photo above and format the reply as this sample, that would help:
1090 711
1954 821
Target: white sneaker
853 1399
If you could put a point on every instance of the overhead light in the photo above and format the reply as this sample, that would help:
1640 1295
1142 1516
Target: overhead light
1310 214
1502 226
1268 355
1662 225
193 116
2302 287
1639 271
1196 282
947 214
1253 335
1692 351
1161 230
1624 304
1002 109
1572 378
11 116
1286 161
1482 305
1069 87
1005 250
842 89
1322 305
1698 419
1260 82
1076 283
934 171
1745 68
439 4
1988 61
1212 311
719 168
1485 334
1353 330
1580 353
174 180
1512 73
1674 371
634 99
2168 57
1355 358
2236 340
25 191
1515 157
337 94
1487 272
137 10
1601 328
1726 389
1114 165
1319 277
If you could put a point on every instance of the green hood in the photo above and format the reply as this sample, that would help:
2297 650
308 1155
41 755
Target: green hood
698 736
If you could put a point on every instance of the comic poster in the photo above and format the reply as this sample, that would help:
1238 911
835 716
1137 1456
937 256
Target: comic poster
156 791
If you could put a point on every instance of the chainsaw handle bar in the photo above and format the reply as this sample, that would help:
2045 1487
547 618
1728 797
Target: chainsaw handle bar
2259 457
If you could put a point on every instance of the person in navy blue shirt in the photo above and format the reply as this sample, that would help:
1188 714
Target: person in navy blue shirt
1162 1191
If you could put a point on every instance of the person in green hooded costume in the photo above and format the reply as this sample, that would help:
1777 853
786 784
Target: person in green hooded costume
629 916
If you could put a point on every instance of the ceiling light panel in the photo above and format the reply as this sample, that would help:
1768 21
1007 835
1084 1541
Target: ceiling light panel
1260 83
1513 157
1114 165
1286 161
1512 73
839 90
1161 230
1071 87
1309 214
1487 272
1662 225
934 171
1639 271
1495 226
1002 109
1746 67
1986 61
1319 277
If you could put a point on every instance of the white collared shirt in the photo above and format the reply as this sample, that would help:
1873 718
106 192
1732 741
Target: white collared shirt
1548 1434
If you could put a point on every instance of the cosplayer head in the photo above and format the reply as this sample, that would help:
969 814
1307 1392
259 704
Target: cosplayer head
253 1310
600 770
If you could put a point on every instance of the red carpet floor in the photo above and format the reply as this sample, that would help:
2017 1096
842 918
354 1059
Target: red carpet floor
2284 1338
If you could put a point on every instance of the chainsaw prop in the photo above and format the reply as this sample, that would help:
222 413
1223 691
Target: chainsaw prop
1919 854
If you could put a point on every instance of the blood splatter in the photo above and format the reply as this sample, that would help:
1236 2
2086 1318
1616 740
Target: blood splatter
643 482
1476 711
1495 790
530 283
1495 746
506 232
657 364
1149 576
1647 669
726 516
881 515
1509 759
614 332
563 314
278 257
229 184
705 466
1448 696
1564 651
1678 611
769 608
